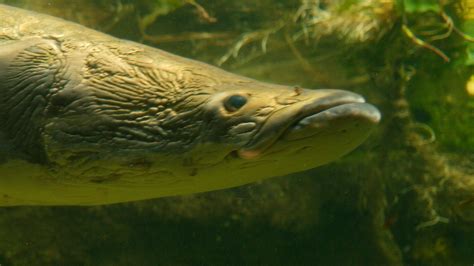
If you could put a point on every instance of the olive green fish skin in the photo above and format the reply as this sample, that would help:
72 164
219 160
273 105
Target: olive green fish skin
86 119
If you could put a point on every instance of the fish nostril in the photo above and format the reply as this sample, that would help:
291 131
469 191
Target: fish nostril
297 90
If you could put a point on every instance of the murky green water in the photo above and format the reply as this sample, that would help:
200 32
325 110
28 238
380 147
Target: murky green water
405 197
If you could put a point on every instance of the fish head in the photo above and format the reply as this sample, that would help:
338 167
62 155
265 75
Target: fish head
300 128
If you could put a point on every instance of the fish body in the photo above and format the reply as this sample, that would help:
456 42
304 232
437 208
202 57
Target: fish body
87 119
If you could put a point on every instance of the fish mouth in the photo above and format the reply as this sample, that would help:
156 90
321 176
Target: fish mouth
310 125
308 117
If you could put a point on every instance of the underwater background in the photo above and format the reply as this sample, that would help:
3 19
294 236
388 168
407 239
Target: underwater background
405 197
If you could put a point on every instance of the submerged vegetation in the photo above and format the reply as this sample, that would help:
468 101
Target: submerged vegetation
406 196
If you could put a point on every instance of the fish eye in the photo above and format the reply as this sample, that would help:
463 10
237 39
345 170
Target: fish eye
235 102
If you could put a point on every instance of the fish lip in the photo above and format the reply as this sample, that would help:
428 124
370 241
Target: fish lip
299 112
357 110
